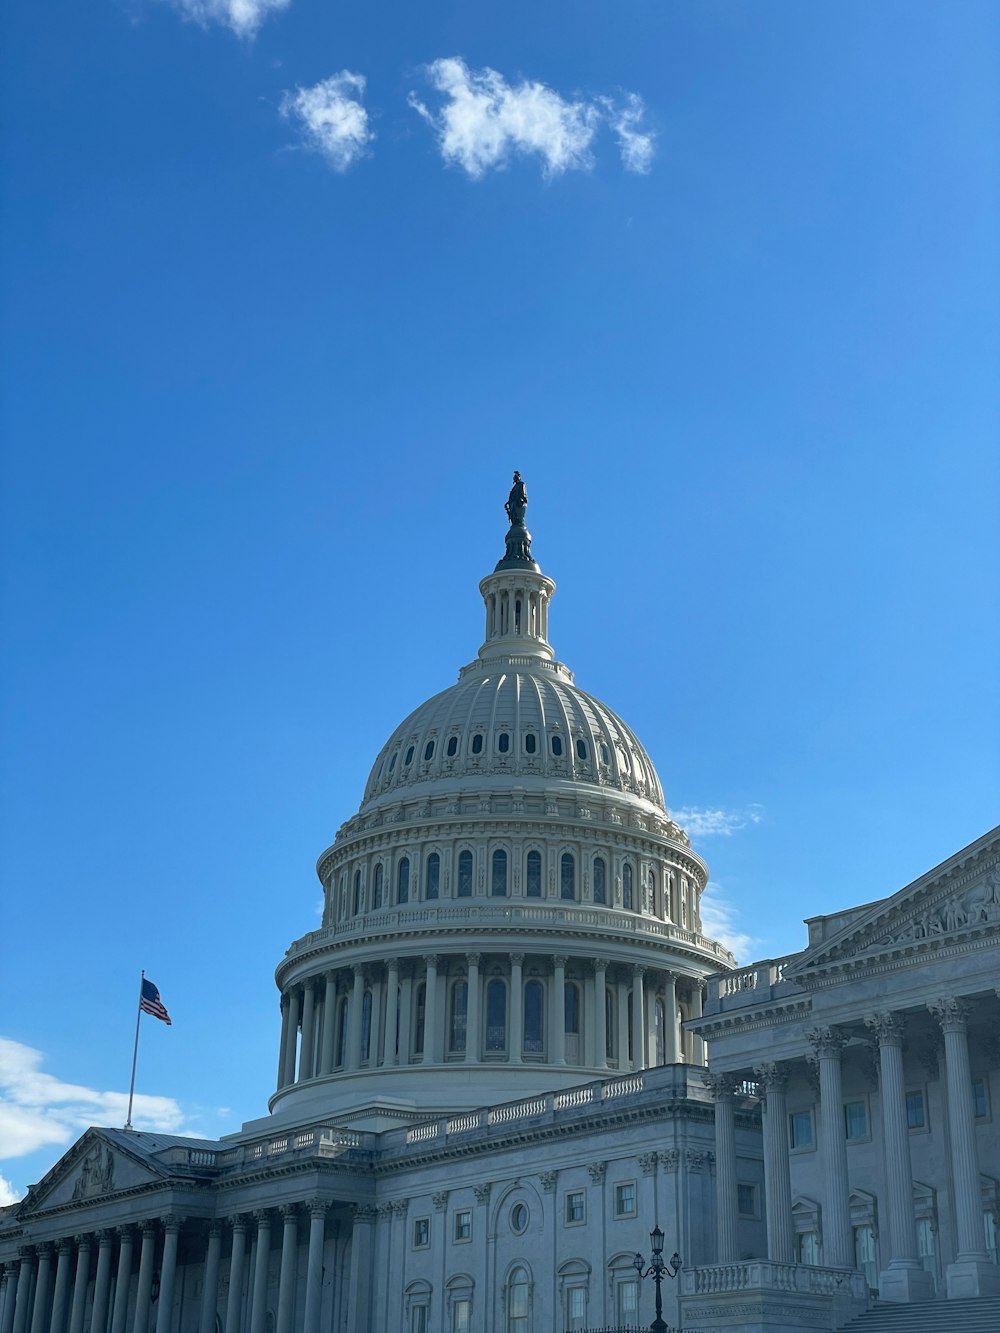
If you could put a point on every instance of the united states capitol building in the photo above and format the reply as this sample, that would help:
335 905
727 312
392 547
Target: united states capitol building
491 1078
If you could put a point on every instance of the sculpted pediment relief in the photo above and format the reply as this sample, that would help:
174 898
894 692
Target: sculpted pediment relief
93 1169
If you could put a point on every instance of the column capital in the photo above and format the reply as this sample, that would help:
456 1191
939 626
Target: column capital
482 1192
106 1237
431 959
289 1211
600 964
262 1216
318 1207
84 1241
951 1011
358 971
65 1246
771 1077
722 1086
363 1212
215 1229
173 1222
473 959
596 1171
887 1028
239 1221
391 964
440 1200
560 959
149 1228
399 1207
638 970
517 959
827 1042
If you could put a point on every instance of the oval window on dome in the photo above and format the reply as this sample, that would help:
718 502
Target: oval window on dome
557 745
605 754
428 751
392 761
452 746
503 742
409 755
477 743
581 749
530 743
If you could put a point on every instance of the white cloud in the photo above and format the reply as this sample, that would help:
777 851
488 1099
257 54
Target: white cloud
333 120
8 1194
721 920
244 17
698 823
38 1110
486 121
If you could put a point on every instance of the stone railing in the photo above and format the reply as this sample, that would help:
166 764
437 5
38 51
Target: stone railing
749 981
766 1275
319 1141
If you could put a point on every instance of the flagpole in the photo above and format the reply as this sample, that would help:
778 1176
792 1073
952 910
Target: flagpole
135 1050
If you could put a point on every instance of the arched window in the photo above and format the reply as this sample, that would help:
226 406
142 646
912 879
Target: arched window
377 889
418 1022
428 752
533 884
534 1013
342 1032
581 749
403 881
610 1026
530 743
600 880
357 892
409 755
518 1301
567 876
432 878
392 761
503 742
654 905
498 880
452 746
477 743
572 1019
496 1015
465 874
627 894
366 1024
458 1017
605 754
660 1025
557 746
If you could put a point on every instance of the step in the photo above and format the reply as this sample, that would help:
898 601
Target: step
941 1316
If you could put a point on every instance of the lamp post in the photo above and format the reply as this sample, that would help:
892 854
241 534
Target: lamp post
657 1267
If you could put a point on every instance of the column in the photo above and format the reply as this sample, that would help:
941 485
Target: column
558 1008
292 1036
827 1043
102 1282
235 1302
142 1295
515 1042
329 1023
375 1030
472 1020
697 1043
621 1014
168 1275
23 1295
971 1274
123 1280
8 1289
430 1008
723 1090
258 1303
361 1266
82 1278
904 1279
43 1282
289 1268
405 1019
210 1285
283 1042
60 1297
671 1046
638 1019
308 1016
391 1009
354 1019
600 1031
777 1179
314 1269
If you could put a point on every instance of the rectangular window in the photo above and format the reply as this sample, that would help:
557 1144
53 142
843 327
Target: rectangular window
746 1200
418 1319
627 1302
979 1098
421 1233
461 1316
576 1207
463 1225
855 1120
916 1111
625 1199
576 1307
800 1129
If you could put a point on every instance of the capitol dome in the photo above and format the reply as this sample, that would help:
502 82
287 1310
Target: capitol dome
511 910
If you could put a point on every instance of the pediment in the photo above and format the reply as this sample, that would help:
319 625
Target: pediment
959 898
93 1170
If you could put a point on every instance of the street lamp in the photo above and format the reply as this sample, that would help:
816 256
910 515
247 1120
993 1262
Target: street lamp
657 1267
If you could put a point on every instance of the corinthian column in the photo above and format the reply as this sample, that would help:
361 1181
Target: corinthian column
329 1023
283 1042
599 1020
391 1009
354 1015
723 1090
289 1260
235 1302
638 1019
558 1009
210 1285
291 1033
472 1023
258 1306
23 1294
102 1283
314 1268
431 1009
83 1247
308 1020
123 1280
43 1281
827 1043
777 1178
671 1048
516 1043
60 1296
168 1274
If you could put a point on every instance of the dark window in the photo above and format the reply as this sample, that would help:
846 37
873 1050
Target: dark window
403 881
477 743
627 886
498 882
408 759
581 750
610 1027
342 1033
533 889
916 1116
418 1029
428 751
600 880
533 1016
459 1013
567 876
529 743
571 993
503 742
357 892
557 745
377 888
496 1016
605 754
517 616
433 877
392 761
366 1024
452 746
465 875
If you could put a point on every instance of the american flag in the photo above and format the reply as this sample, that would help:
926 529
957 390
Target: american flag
150 1002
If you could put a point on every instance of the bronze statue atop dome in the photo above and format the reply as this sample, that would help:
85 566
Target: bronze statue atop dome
517 501
517 552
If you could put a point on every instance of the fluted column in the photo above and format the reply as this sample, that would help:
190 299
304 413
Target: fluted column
671 1049
289 1260
168 1274
777 1178
391 1009
516 1043
8 1297
472 1019
237 1261
147 1255
559 1009
326 1054
22 1297
102 1282
827 1044
123 1281
258 1304
430 1008
308 1019
354 1019
283 1042
210 1285
405 1033
971 1274
600 1031
60 1296
291 1037
314 1267
638 1018
82 1278
43 1284
361 1265
723 1089
697 1006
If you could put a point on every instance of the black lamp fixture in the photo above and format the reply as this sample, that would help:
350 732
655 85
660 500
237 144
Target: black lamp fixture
656 1270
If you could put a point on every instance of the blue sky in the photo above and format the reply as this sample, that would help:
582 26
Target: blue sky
283 309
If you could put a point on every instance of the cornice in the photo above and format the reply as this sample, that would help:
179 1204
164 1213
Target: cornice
896 957
752 1017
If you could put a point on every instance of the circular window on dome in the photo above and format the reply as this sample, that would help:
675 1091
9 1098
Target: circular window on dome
518 1218
452 746
557 745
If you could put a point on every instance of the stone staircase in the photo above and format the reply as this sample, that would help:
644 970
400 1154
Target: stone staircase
972 1316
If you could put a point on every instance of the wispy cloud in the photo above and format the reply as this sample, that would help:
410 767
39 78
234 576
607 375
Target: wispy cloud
485 121
721 920
699 823
8 1194
331 117
244 17
38 1110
